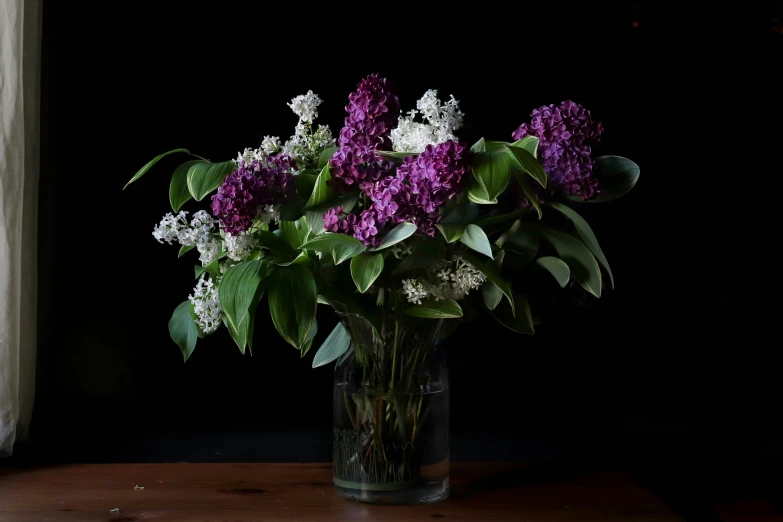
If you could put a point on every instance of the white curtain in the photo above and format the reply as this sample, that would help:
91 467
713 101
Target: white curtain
20 24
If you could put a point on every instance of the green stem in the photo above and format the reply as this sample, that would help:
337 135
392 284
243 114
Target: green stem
510 232
394 354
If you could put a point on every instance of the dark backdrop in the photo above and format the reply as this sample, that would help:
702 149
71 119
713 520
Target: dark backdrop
667 362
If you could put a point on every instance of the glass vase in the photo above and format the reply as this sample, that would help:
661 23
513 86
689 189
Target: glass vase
391 413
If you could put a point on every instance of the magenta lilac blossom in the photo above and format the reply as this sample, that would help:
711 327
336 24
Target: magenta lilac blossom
566 132
247 190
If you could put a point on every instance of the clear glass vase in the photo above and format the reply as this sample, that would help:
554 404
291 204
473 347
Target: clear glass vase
391 413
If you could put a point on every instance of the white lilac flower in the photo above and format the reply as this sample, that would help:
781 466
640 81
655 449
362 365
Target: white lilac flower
414 290
202 226
306 106
206 305
449 279
305 146
209 250
270 144
268 214
168 228
249 156
239 246
401 250
442 119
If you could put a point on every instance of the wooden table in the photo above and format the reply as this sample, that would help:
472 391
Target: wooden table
485 492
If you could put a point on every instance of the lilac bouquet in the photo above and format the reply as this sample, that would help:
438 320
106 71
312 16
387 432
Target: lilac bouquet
400 227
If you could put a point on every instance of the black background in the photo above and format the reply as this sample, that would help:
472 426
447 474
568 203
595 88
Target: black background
670 363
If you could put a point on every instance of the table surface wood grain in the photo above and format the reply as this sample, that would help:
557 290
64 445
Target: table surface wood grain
486 492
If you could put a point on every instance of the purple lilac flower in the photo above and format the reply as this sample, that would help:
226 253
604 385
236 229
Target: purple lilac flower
246 191
372 113
566 132
420 188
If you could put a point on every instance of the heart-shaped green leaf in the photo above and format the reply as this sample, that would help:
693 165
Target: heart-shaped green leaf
557 267
183 330
475 238
431 309
333 347
203 178
293 299
178 189
586 234
365 269
152 162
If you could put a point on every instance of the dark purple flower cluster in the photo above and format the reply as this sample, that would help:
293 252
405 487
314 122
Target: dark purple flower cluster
566 132
373 110
421 186
246 191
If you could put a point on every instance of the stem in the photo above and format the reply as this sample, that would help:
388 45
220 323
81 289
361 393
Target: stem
510 232
394 354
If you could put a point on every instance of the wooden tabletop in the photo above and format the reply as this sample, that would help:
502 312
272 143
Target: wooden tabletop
486 492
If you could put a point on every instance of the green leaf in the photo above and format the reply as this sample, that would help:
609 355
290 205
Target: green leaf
528 163
491 293
341 246
494 146
427 253
529 191
290 233
243 335
399 233
521 322
149 165
238 289
431 309
523 243
463 212
365 269
479 146
488 269
203 178
575 253
557 267
304 231
586 234
498 219
322 192
492 170
451 232
183 330
185 248
529 143
293 299
616 176
212 269
178 189
475 238
333 347
293 208
309 342
478 195
275 245
325 156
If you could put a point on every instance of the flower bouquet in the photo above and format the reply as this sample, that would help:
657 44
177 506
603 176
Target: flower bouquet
405 231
